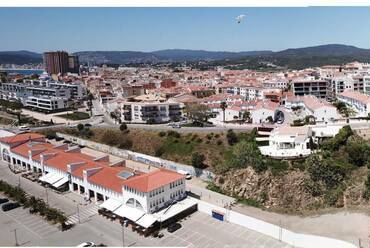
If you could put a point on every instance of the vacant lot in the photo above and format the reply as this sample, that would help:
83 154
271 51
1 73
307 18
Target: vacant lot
75 116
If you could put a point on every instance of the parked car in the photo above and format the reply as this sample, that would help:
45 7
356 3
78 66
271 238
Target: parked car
24 128
87 244
173 227
185 173
10 205
176 126
88 125
3 200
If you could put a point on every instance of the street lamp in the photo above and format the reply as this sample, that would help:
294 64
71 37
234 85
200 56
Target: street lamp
123 232
47 196
78 214
15 237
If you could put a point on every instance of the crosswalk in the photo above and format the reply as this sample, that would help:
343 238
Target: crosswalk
83 214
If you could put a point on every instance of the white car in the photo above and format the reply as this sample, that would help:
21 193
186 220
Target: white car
187 174
24 128
87 244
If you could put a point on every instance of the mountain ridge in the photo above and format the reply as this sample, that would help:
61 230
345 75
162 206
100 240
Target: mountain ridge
179 55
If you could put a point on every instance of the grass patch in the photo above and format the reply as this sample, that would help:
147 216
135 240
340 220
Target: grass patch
75 116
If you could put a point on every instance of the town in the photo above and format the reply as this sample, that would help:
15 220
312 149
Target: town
128 126
293 111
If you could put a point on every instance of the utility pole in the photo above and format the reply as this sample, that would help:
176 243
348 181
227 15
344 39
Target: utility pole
19 180
78 214
15 237
123 233
47 196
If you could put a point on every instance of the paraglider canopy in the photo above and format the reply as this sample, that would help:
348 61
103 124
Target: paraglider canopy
240 18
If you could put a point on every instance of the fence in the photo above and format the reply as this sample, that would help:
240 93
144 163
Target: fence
274 231
139 157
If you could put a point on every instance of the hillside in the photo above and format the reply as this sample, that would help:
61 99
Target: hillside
335 176
20 57
294 58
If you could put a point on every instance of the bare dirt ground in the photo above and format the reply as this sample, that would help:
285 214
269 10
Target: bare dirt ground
344 225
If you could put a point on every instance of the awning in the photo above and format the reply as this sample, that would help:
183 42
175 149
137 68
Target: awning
111 204
175 209
45 177
146 221
60 182
53 178
130 213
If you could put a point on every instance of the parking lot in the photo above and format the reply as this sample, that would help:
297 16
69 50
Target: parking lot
201 230
29 228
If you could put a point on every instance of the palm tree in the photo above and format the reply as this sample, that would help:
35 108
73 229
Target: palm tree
223 107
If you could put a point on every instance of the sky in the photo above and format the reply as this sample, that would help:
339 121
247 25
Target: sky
151 29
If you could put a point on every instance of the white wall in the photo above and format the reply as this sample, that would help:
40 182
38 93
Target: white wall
274 231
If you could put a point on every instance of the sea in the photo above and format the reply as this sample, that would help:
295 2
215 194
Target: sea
23 72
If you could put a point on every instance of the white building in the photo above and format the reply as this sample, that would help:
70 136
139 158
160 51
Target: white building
154 112
320 109
139 196
49 104
360 102
263 110
288 142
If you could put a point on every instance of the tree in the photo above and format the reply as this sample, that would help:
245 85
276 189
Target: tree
197 112
246 154
197 160
17 108
231 137
123 127
338 140
358 150
90 98
223 106
80 127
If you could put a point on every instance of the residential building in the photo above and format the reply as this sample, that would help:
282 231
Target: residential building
358 101
288 142
318 88
60 62
48 104
150 112
263 110
77 89
56 62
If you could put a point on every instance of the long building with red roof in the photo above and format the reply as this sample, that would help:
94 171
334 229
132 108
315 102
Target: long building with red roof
66 167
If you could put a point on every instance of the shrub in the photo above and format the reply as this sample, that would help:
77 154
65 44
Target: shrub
174 134
80 127
231 137
219 142
123 127
161 134
209 136
197 160
217 135
277 167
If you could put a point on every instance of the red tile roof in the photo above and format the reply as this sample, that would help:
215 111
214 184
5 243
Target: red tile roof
153 180
21 137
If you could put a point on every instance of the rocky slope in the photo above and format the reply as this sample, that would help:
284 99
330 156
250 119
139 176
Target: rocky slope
288 192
